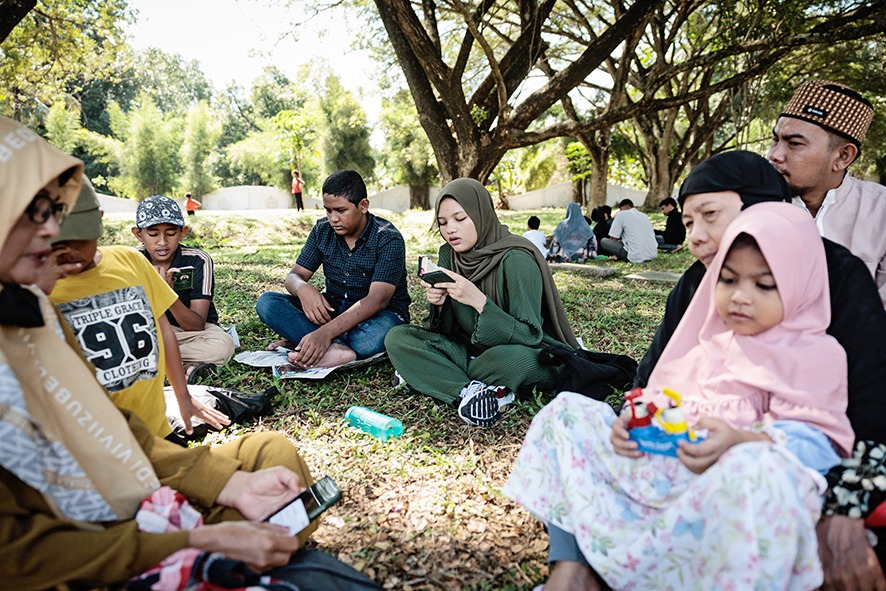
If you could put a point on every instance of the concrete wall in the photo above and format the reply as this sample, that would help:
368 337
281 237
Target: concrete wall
247 197
560 195
395 199
110 204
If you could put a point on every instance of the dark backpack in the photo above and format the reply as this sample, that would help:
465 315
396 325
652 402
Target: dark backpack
591 373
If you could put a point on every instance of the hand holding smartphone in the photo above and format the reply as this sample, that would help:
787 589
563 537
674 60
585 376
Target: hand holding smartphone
306 507
430 273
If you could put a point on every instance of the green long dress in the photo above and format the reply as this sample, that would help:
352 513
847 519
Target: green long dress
498 347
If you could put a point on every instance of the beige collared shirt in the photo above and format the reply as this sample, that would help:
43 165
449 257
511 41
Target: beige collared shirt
854 215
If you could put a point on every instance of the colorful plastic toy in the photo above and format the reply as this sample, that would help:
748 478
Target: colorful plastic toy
658 430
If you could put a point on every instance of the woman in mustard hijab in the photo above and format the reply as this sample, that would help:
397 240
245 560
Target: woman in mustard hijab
487 326
74 469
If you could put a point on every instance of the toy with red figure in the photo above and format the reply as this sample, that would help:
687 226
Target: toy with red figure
658 430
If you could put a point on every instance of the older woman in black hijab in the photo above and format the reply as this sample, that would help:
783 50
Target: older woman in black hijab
486 326
712 196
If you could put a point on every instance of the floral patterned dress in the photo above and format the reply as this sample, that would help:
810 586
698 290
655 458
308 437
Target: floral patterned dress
748 522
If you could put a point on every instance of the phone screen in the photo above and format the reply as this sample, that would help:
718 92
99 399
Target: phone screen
307 506
183 279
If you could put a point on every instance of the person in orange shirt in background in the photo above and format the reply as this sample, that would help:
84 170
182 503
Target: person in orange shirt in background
297 186
191 204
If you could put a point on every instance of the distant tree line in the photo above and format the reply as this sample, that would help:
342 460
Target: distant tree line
515 93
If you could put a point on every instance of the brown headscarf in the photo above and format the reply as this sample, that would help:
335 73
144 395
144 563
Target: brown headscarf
62 434
494 241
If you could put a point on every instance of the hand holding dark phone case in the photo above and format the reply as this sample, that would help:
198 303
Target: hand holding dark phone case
431 273
183 279
306 507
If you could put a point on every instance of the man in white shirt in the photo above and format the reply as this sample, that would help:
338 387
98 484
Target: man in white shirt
817 137
536 236
631 236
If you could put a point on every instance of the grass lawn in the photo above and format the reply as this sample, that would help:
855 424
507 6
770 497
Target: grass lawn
424 511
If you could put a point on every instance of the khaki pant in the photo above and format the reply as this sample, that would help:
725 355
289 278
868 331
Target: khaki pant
256 452
211 345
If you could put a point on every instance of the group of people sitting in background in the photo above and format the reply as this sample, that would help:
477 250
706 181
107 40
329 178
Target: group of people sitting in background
775 337
627 237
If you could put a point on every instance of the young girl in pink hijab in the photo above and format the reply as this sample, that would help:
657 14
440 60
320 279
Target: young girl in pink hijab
756 369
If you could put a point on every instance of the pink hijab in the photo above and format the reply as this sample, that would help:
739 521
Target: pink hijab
794 370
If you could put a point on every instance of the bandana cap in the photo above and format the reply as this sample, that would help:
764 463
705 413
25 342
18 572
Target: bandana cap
158 209
833 107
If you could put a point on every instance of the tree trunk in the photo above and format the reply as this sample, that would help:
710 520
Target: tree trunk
12 13
418 197
660 183
600 174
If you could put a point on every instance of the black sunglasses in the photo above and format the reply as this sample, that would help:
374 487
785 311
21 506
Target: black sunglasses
42 207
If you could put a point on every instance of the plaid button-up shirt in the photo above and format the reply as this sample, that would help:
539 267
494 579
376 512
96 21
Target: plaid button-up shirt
378 255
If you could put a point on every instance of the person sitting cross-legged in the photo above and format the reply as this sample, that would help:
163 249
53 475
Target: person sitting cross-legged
486 327
363 260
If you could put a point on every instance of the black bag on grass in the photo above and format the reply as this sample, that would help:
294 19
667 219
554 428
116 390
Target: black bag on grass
239 406
591 373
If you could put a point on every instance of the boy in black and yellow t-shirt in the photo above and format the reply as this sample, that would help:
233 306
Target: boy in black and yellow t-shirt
160 227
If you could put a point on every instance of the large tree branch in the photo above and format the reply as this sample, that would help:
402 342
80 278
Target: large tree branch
570 128
464 51
840 28
776 47
517 61
501 88
432 114
542 99
429 11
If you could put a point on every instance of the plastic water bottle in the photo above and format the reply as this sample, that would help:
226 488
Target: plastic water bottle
372 422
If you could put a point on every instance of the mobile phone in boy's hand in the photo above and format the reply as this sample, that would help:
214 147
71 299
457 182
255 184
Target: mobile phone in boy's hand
306 507
183 279
431 273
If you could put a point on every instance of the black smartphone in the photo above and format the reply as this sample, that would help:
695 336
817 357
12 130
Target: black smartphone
308 506
431 273
183 279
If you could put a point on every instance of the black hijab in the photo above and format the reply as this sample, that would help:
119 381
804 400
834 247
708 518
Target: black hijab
746 173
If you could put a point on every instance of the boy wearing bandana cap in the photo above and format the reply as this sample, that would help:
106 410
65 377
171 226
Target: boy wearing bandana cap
816 138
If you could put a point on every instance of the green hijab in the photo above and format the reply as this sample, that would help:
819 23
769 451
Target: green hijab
494 241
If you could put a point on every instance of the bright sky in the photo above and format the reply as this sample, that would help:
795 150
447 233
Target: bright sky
235 39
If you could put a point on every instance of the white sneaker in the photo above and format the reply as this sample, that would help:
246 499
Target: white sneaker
481 405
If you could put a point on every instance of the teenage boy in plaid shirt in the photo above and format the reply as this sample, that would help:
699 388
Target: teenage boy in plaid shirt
364 263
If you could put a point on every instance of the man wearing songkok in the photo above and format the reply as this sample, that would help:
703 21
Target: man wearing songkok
818 135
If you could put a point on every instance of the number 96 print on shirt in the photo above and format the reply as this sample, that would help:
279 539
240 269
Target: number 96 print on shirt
117 334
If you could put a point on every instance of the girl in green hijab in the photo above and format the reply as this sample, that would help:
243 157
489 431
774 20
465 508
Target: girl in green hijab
486 327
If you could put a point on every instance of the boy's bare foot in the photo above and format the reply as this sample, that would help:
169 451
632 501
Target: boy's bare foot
571 576
285 343
678 249
336 355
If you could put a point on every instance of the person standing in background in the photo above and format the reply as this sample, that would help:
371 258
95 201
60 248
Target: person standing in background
297 186
191 204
